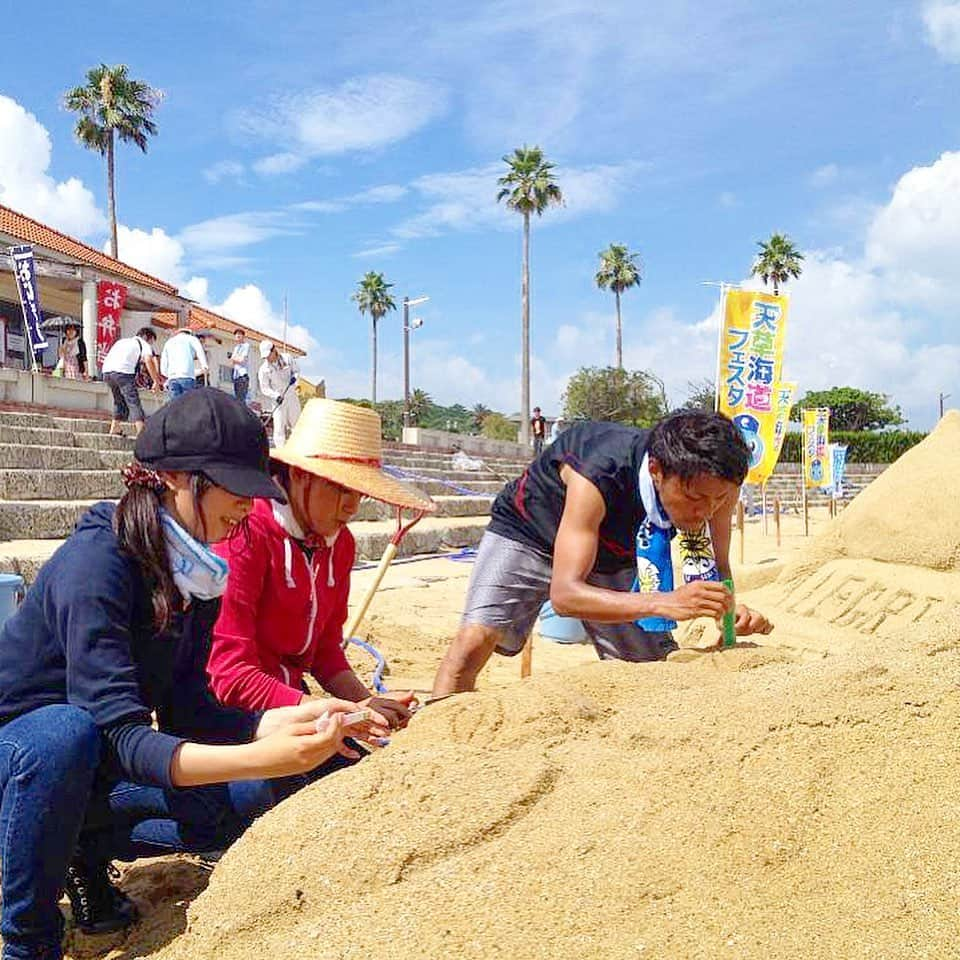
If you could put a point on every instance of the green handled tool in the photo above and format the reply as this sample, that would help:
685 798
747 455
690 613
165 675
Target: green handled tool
729 629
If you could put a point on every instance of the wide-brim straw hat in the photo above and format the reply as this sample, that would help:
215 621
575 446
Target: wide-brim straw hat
341 442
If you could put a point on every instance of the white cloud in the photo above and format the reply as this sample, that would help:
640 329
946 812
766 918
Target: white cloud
825 176
918 231
364 113
384 250
224 170
942 21
467 199
25 185
386 193
154 252
279 163
249 305
234 230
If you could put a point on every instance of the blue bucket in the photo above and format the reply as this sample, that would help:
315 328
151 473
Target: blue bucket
11 595
560 629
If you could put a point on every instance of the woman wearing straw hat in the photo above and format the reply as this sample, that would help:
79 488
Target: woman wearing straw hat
286 600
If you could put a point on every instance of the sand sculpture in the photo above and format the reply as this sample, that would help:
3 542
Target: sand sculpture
793 800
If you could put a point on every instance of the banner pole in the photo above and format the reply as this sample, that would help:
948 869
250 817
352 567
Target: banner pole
763 507
720 325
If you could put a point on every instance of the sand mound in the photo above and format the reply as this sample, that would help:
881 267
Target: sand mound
911 513
779 811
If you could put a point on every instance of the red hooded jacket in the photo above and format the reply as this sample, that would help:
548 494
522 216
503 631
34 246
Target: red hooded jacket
283 612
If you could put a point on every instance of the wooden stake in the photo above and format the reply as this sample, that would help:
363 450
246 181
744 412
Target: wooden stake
740 525
526 659
776 517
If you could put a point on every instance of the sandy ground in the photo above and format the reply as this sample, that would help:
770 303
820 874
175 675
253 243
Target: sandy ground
795 798
411 620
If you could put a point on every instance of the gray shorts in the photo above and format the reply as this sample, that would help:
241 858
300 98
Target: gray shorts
511 582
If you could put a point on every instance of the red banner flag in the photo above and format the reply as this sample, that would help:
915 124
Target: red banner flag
110 300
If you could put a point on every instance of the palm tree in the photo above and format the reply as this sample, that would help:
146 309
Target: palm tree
480 413
778 260
420 403
527 187
373 297
110 105
618 271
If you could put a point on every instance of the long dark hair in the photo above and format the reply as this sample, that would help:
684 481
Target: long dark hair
139 531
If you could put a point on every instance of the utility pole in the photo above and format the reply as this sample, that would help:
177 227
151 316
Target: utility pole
406 362
407 303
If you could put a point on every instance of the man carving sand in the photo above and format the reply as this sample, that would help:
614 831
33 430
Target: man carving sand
573 527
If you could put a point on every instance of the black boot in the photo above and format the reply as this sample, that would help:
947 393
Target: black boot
98 906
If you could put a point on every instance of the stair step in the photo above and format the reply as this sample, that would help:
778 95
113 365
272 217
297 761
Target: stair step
431 535
40 519
16 457
60 484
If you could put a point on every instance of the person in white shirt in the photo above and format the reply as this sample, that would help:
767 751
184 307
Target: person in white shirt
238 359
120 374
182 361
277 377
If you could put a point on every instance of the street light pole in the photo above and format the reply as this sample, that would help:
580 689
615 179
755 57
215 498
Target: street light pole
407 304
406 362
943 396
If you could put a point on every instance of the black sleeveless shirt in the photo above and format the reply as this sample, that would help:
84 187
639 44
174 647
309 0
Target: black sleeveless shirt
609 455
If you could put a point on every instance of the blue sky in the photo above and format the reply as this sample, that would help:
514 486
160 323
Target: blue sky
303 144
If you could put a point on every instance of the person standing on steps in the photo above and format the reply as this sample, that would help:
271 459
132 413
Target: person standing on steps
240 362
277 378
182 361
120 368
538 427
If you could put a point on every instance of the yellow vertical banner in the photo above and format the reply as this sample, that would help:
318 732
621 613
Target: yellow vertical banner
750 366
817 458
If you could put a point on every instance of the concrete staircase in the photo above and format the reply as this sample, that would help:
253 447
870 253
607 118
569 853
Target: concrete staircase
53 468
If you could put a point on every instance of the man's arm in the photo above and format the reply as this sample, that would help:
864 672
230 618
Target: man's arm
200 354
154 372
574 556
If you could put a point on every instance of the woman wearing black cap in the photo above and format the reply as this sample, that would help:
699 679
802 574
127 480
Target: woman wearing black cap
115 629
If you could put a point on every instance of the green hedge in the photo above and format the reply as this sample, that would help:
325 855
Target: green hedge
864 447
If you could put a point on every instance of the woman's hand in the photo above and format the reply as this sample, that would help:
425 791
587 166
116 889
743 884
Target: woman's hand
310 710
300 747
395 707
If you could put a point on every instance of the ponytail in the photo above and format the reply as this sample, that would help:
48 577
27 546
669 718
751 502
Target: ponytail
139 529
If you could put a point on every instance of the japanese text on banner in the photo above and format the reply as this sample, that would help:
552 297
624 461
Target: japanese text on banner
110 300
750 367
25 271
818 466
772 430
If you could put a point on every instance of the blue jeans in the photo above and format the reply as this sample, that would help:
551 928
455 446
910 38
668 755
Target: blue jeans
180 386
129 820
241 385
48 758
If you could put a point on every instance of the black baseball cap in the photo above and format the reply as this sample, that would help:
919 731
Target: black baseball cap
206 431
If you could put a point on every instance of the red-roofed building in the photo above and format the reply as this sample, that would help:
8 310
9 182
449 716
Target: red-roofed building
67 275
